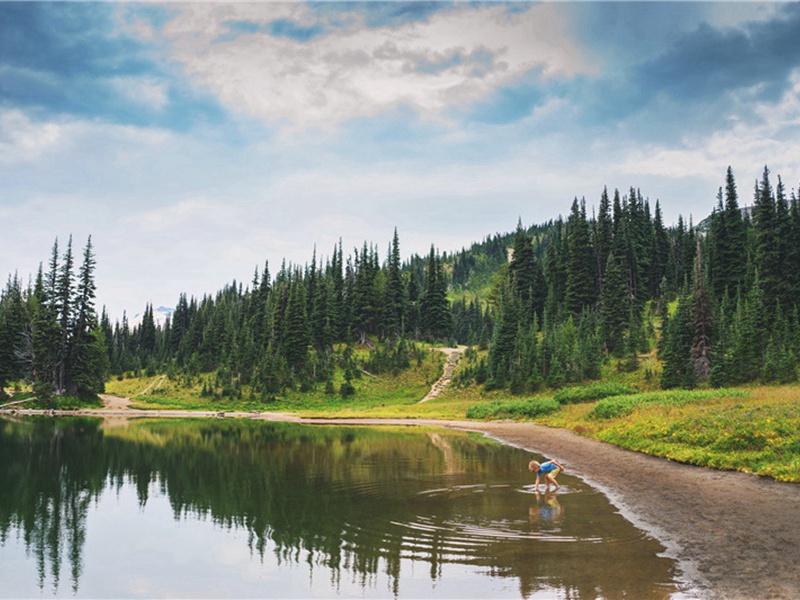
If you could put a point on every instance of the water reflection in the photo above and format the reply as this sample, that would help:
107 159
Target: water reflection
321 511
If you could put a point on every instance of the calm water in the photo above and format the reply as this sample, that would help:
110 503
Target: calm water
201 508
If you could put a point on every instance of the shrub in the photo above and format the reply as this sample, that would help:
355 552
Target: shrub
513 409
618 406
590 393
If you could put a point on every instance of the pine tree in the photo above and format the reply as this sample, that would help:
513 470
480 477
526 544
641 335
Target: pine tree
147 334
793 260
603 239
732 249
413 310
678 368
296 334
527 278
395 306
767 245
746 357
502 350
701 342
580 290
660 260
435 309
783 237
614 307
780 362
64 294
13 320
88 356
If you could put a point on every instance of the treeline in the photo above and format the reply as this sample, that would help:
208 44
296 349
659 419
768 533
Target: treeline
738 320
578 291
552 303
592 288
49 332
296 329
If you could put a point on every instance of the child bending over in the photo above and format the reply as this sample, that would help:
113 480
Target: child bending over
547 469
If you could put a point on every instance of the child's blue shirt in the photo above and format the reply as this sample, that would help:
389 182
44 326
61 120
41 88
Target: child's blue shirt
546 467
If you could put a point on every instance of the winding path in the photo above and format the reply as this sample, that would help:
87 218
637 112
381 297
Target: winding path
453 354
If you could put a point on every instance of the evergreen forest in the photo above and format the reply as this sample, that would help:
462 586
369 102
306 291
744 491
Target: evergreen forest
542 307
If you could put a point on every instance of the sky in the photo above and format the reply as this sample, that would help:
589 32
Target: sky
196 141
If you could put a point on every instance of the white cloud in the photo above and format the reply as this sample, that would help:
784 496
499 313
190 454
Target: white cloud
147 91
747 144
26 140
451 58
23 140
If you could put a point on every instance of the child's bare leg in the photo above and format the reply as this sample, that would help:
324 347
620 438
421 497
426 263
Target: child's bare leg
550 479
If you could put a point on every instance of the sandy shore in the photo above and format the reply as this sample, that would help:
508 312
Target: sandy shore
734 535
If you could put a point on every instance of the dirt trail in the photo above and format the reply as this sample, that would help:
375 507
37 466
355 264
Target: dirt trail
734 535
115 402
453 354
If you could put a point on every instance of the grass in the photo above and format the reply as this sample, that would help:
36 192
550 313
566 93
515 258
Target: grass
372 394
621 405
756 430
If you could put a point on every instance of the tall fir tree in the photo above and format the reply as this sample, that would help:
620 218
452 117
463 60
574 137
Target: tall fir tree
527 277
580 287
614 305
767 245
435 308
678 370
394 320
703 322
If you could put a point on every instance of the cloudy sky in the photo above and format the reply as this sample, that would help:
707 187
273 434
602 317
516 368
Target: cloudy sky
195 141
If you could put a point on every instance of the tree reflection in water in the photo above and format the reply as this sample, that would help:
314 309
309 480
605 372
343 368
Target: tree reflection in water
358 501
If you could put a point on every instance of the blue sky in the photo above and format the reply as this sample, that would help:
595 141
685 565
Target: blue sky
194 141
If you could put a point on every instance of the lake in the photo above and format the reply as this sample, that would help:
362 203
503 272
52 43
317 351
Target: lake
241 508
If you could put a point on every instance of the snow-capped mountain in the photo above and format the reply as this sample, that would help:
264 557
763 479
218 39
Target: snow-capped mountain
160 316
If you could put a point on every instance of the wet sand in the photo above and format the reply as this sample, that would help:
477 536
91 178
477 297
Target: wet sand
734 535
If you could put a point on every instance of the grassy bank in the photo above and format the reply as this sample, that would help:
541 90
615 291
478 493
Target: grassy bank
754 429
373 394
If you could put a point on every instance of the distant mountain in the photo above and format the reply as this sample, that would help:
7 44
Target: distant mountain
160 316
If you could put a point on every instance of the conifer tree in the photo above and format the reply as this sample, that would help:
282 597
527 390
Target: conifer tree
413 310
780 361
701 342
502 350
395 306
580 289
147 334
614 307
793 260
12 329
603 238
731 244
678 370
296 334
746 357
783 238
526 276
767 245
435 309
660 260
88 357
64 294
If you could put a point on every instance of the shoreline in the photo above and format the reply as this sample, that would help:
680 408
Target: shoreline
733 535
